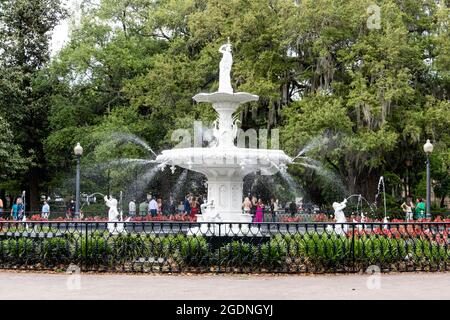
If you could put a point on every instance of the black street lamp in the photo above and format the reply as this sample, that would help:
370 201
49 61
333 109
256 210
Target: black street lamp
78 150
428 148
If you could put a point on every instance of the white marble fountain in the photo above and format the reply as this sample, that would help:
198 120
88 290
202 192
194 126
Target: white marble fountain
224 164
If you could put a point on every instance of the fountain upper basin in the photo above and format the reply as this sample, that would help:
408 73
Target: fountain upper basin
235 98
226 161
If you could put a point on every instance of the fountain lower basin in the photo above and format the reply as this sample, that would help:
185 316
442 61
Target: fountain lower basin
225 169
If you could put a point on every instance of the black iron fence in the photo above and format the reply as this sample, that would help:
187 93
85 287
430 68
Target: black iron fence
225 247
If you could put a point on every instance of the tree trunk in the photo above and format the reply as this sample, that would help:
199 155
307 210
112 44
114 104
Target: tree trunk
34 195
370 186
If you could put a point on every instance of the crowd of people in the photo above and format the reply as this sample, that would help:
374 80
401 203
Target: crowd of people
17 211
156 206
256 208
191 205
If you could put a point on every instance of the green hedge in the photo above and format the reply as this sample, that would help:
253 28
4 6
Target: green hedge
17 251
180 252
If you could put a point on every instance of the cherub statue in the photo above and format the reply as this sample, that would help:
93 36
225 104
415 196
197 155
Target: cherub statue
204 206
339 216
113 215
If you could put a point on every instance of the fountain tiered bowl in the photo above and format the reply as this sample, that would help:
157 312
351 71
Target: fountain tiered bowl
225 165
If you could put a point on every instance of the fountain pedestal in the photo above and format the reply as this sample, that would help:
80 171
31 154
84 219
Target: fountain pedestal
227 195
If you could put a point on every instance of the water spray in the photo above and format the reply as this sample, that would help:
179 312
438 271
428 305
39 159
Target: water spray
162 166
360 199
381 183
90 196
135 139
120 205
23 202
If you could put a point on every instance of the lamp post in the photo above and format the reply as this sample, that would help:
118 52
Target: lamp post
428 148
78 150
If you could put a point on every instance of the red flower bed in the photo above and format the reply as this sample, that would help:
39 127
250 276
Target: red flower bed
176 217
96 218
290 219
405 232
322 217
37 217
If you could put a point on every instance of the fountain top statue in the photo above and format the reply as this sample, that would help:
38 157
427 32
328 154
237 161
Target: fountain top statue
225 68
225 92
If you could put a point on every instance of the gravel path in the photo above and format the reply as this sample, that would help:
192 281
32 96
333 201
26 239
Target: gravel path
23 285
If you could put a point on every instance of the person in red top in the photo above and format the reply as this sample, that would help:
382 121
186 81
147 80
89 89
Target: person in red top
159 204
259 212
194 207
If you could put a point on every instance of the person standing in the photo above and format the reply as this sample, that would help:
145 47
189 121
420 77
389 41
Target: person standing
253 207
170 208
180 208
159 205
293 208
200 200
259 212
408 207
21 209
14 210
194 207
187 205
247 205
1 207
132 208
70 209
272 209
143 208
17 209
45 210
153 207
420 209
